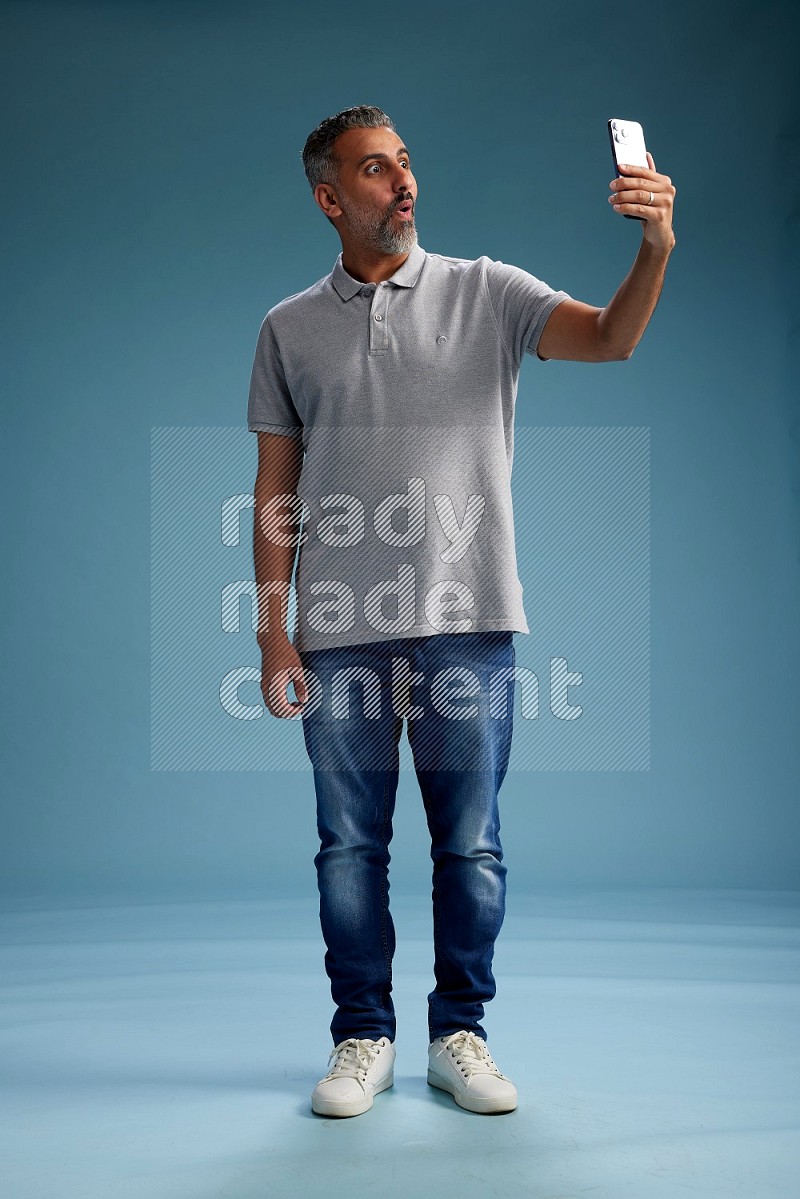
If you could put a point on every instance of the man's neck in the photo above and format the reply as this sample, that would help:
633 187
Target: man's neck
370 267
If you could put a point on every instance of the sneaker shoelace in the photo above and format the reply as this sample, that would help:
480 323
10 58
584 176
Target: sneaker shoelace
353 1058
471 1054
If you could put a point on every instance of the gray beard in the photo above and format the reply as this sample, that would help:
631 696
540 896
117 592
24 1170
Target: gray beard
383 234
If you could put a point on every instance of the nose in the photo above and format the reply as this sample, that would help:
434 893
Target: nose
404 181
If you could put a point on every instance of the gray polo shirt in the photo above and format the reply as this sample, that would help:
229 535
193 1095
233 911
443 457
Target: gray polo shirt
403 393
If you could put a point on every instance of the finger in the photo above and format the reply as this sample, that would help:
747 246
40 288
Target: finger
277 700
651 160
297 675
645 210
634 196
292 709
276 707
637 170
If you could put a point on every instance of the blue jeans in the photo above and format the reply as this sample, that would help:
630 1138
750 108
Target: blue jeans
460 746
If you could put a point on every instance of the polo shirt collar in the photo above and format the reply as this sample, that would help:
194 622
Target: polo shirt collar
405 275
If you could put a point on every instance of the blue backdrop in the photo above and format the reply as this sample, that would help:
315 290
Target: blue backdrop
155 208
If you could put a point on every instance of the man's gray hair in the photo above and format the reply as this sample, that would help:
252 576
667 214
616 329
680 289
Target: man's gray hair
319 160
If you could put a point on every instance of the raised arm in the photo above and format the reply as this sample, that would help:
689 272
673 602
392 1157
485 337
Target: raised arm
580 332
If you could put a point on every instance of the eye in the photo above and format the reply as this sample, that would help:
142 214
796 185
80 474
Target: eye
377 165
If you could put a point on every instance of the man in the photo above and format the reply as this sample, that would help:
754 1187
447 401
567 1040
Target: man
396 376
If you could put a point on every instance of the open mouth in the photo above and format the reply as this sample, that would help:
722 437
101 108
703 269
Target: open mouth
405 209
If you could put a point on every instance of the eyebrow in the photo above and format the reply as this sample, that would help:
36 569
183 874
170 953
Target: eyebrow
401 153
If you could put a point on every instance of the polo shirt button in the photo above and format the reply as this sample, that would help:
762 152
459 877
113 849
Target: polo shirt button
378 316
441 339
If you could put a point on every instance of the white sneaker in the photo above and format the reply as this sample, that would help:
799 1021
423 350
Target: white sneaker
362 1068
461 1064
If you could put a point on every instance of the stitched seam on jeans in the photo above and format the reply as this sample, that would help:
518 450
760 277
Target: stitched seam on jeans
384 891
510 711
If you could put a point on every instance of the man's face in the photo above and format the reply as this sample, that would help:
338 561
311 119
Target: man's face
376 193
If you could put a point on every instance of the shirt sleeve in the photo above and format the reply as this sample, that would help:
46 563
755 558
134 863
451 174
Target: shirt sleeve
521 304
270 408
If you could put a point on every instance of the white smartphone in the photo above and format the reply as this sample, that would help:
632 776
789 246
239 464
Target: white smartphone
627 145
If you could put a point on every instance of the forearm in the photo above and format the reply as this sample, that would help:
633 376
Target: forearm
275 540
624 319
276 531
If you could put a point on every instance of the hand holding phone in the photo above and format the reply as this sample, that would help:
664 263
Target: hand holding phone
627 145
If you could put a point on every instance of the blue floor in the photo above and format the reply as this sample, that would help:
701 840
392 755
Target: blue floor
169 1050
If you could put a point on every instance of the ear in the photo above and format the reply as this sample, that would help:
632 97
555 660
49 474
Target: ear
326 199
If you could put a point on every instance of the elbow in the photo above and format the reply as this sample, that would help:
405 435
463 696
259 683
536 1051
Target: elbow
609 350
615 354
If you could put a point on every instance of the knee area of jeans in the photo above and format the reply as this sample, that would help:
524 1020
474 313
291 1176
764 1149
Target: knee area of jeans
469 857
342 828
344 856
467 836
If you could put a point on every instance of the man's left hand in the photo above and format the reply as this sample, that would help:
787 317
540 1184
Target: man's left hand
631 194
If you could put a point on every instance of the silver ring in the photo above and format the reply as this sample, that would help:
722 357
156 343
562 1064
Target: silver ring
650 201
